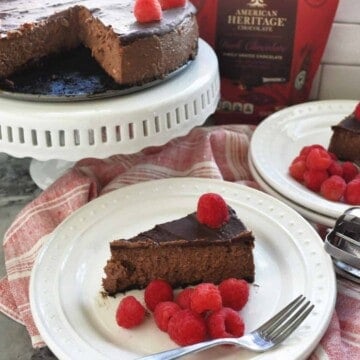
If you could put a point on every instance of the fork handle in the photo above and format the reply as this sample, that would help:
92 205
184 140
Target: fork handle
190 349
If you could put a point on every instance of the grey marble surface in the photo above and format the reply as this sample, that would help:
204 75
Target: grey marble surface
16 190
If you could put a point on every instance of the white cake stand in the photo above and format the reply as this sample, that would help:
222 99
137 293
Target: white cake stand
56 134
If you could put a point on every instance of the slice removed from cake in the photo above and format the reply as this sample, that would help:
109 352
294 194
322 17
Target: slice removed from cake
345 139
182 252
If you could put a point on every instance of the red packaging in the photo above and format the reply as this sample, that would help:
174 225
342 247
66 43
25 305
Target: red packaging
268 51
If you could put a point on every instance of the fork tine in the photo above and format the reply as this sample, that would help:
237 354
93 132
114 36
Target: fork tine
281 315
293 323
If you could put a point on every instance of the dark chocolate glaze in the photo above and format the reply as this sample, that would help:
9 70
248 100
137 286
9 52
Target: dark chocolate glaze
115 13
350 123
189 229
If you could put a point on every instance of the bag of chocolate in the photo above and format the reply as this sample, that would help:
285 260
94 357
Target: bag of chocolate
268 50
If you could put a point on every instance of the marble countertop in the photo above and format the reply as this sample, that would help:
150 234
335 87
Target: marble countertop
16 190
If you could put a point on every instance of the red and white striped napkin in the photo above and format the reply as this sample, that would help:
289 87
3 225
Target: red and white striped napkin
208 152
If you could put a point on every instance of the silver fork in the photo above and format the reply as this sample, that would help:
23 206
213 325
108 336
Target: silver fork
264 338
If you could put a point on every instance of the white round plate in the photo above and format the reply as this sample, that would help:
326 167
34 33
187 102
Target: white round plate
281 136
78 322
307 213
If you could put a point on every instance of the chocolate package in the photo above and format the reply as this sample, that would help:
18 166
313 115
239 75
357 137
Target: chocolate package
268 50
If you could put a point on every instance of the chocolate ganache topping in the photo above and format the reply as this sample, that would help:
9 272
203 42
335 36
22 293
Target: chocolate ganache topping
115 13
350 123
188 228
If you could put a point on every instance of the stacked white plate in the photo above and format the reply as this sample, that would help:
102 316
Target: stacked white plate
279 139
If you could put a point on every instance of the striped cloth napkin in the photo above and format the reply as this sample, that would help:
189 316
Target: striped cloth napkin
208 152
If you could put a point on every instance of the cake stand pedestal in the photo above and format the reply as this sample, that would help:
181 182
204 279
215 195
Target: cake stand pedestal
65 132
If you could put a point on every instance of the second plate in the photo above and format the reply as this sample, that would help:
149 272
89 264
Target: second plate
280 137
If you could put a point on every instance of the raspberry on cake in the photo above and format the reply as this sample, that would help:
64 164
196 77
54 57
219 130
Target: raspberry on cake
130 51
147 11
182 252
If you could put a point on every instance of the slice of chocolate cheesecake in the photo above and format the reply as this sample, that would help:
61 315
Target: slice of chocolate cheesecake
345 139
182 252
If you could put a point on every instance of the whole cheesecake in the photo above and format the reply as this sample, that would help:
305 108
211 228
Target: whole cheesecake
130 52
345 139
182 252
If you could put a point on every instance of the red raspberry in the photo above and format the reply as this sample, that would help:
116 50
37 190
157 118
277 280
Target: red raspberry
335 168
306 149
212 210
234 293
183 298
130 312
314 178
156 292
349 171
352 192
225 322
297 168
168 4
357 112
333 188
318 159
333 156
163 313
147 11
205 297
186 327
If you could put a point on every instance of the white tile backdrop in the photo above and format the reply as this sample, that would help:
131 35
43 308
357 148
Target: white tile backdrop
338 76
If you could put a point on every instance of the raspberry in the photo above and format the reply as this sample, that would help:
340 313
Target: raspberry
130 312
147 11
163 313
349 171
357 112
352 192
212 210
205 297
333 156
225 322
157 291
168 4
333 188
234 293
183 298
314 178
335 168
186 327
297 168
306 149
318 159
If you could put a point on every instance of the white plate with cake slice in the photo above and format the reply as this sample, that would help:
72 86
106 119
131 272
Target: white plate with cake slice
281 136
77 321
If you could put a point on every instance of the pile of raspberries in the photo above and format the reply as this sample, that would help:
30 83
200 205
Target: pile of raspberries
320 171
195 314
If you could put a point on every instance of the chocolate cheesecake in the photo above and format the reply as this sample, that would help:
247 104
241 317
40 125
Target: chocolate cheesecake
182 252
345 139
130 52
